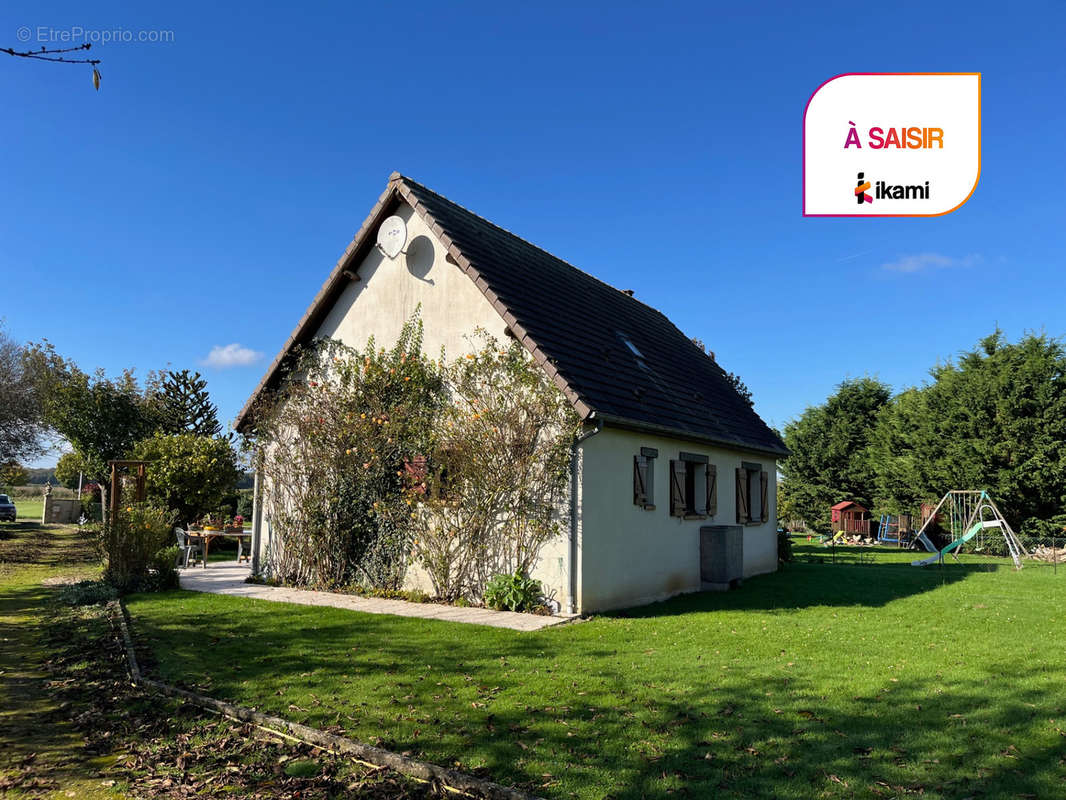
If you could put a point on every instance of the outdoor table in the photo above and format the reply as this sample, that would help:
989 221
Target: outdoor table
205 535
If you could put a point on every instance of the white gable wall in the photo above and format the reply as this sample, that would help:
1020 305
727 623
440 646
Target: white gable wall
630 556
451 307
389 292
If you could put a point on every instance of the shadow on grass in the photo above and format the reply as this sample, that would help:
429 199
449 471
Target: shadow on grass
630 736
39 748
800 585
586 710
25 543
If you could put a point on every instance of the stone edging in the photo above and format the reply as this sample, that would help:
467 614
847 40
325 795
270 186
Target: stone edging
374 756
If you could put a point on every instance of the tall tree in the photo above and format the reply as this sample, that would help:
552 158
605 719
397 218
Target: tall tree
13 474
735 380
21 419
829 461
185 406
995 420
101 417
69 469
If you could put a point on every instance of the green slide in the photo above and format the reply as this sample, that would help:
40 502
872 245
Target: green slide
977 527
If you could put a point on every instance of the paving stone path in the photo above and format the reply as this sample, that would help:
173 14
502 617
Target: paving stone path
227 577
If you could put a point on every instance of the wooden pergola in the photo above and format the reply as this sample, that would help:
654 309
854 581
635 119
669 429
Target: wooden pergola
119 469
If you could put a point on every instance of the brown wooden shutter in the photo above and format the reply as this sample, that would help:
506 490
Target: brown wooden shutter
764 478
415 474
712 490
640 481
677 488
743 514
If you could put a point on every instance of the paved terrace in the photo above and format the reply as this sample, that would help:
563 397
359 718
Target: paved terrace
228 577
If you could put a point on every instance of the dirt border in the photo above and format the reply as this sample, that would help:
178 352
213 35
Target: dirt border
449 779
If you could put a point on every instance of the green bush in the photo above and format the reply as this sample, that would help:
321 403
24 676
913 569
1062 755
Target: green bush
162 574
87 593
131 541
91 510
191 475
784 547
244 503
1036 529
513 592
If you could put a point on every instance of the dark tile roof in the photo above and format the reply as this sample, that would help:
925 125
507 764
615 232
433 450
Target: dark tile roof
577 327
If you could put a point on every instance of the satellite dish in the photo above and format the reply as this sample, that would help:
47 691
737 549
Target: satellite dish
392 236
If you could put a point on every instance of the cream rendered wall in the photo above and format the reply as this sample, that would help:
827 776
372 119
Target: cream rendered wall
387 294
629 556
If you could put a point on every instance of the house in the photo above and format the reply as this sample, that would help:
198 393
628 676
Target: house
673 480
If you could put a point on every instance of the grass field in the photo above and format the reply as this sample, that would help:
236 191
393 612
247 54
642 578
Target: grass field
32 732
72 726
29 508
824 680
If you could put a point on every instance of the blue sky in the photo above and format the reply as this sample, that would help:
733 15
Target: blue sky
199 199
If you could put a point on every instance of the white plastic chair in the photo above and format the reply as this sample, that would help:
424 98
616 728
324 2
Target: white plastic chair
187 547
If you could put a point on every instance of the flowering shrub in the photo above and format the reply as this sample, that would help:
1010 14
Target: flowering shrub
372 459
498 470
331 447
130 541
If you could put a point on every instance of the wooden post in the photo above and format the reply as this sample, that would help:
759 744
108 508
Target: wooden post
115 495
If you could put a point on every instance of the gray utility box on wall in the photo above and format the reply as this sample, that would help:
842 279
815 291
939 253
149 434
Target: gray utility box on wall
721 556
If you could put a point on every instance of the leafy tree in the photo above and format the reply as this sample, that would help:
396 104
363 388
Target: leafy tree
995 420
184 406
21 421
190 475
787 512
102 418
13 474
69 469
735 380
740 388
829 460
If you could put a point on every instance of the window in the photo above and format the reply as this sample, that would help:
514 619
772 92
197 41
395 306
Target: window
753 505
426 478
644 478
693 487
639 356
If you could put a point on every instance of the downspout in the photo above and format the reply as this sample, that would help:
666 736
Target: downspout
571 607
257 517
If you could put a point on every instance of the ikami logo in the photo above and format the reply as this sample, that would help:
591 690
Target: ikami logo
860 191
887 191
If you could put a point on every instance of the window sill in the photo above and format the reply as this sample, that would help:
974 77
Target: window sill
649 507
694 516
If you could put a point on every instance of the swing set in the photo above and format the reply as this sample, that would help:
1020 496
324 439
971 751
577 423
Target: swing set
973 515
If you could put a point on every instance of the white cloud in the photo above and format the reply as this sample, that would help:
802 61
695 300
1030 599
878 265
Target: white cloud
926 262
231 355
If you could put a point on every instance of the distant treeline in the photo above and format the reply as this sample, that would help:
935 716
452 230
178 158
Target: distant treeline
48 475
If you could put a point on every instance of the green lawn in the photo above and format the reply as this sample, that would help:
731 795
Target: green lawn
824 680
40 750
29 508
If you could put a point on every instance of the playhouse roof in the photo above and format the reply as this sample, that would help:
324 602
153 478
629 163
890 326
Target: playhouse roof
848 504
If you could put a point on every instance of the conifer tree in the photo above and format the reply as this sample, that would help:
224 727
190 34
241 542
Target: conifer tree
185 406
